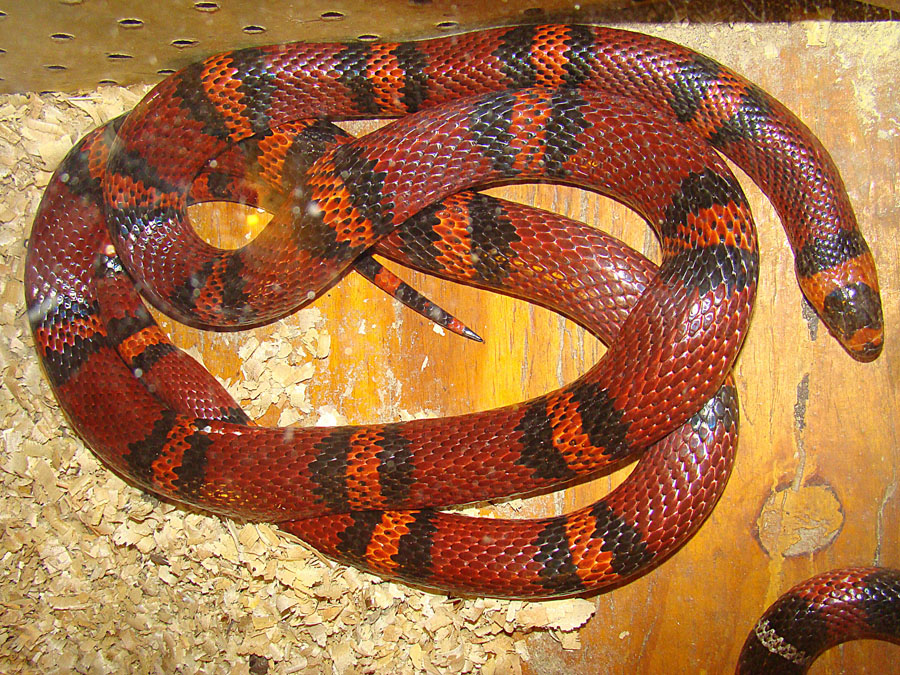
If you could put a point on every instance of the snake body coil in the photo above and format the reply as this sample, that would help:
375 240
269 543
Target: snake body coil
855 603
631 116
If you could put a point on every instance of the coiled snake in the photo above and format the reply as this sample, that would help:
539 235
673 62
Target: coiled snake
631 116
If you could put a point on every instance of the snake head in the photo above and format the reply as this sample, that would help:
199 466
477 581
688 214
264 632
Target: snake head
847 299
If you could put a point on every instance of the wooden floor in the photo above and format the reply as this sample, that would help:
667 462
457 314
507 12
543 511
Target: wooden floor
816 479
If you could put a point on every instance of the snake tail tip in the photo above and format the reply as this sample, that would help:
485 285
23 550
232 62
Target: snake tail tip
472 335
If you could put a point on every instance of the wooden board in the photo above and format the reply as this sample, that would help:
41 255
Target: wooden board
72 45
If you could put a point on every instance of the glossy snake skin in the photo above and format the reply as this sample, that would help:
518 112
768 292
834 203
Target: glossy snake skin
631 116
846 604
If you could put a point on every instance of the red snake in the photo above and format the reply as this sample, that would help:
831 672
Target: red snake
628 115
855 603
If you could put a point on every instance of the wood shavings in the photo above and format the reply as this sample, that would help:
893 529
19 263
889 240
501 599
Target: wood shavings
99 577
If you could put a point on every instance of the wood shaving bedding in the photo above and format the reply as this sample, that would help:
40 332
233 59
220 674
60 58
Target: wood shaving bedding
99 577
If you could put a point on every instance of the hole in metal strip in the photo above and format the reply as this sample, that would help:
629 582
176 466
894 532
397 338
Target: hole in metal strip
131 23
55 67
447 25
368 37
184 43
61 37
253 30
331 16
206 6
119 57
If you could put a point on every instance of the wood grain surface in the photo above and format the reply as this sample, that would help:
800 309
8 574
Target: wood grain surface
816 479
